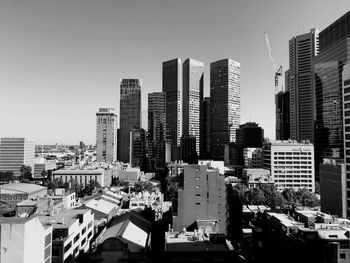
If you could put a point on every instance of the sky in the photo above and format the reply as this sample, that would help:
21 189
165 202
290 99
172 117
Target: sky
62 60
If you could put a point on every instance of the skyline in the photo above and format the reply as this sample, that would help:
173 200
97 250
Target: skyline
62 61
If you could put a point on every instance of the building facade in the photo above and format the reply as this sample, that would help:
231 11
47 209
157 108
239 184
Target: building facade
302 49
172 87
291 164
138 148
130 114
205 129
106 135
192 98
15 152
25 240
203 197
225 104
328 66
157 127
72 231
346 126
283 111
333 188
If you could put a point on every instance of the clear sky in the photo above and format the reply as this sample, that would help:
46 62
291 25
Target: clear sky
62 60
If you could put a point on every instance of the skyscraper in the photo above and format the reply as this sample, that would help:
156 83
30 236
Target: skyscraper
346 124
334 52
130 113
302 49
282 111
205 129
171 86
225 104
106 135
157 127
15 152
193 78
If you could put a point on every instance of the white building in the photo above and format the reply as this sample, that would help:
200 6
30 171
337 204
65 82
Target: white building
106 135
72 231
252 157
15 152
291 164
42 164
84 176
25 240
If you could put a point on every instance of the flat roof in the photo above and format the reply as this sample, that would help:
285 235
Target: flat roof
79 171
63 219
23 187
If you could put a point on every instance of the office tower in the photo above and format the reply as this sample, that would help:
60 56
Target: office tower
225 105
192 98
333 187
252 157
205 129
138 148
15 152
157 127
282 111
302 49
130 113
203 197
106 135
346 125
249 135
25 240
188 149
172 87
334 52
291 164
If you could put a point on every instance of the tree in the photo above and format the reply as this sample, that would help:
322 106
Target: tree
140 186
307 198
26 172
7 177
290 196
44 173
274 198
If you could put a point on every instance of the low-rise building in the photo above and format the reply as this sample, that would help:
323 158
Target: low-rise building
41 164
72 231
14 193
25 240
257 177
132 175
85 176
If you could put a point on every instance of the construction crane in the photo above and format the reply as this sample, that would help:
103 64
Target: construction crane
276 66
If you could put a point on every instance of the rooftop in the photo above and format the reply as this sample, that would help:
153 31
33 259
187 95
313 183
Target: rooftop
23 187
64 219
100 205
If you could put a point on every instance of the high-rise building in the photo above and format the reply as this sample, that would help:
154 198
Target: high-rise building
157 127
291 164
130 113
334 52
333 188
106 135
138 148
302 49
205 129
188 149
225 105
15 152
172 87
250 135
192 99
346 125
203 197
282 111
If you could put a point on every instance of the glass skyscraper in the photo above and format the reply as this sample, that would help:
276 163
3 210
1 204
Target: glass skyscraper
225 105
130 114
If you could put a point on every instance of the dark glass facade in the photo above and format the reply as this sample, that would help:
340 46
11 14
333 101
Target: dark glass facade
171 86
282 116
130 114
156 127
205 129
138 148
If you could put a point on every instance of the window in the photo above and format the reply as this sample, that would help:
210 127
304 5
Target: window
198 203
68 246
90 234
90 224
83 241
47 252
76 238
83 231
75 250
48 240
